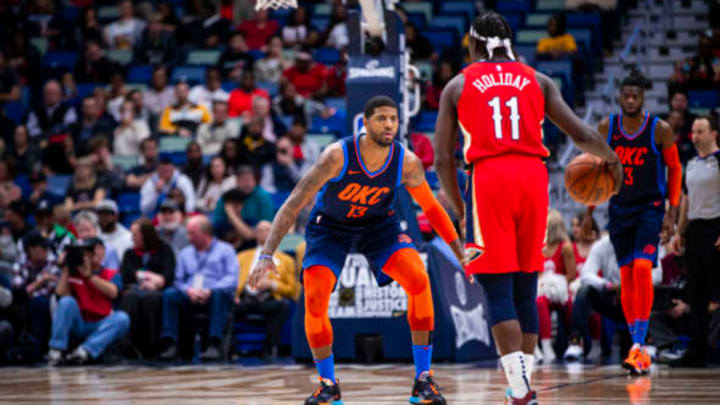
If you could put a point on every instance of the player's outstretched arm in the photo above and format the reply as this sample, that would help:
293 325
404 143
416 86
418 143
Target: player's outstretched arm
666 138
445 141
413 177
328 166
585 137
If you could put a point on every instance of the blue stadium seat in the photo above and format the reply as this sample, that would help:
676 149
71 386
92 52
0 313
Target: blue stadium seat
229 86
514 20
337 103
426 121
327 56
513 6
562 69
190 74
456 22
286 120
335 124
178 158
60 60
130 217
139 74
418 20
704 99
320 22
23 181
15 110
270 87
128 202
256 54
86 89
527 52
441 38
58 184
591 21
465 7
582 35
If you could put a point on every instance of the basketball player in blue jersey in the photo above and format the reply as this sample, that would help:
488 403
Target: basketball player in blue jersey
638 219
357 179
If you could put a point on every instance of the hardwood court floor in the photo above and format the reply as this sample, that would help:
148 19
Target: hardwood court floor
375 385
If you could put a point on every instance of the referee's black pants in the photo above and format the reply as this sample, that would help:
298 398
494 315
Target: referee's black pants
703 266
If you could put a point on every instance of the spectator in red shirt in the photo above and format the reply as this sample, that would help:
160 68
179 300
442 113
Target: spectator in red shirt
86 307
241 98
308 77
423 149
336 76
258 31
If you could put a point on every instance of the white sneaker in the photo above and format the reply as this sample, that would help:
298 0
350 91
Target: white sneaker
548 351
538 355
78 357
573 353
55 357
651 351
595 351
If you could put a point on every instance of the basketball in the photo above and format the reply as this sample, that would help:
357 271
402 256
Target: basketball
588 181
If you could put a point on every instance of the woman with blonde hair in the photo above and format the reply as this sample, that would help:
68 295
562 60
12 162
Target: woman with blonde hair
553 284
84 191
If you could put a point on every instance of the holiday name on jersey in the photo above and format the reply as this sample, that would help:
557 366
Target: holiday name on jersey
500 79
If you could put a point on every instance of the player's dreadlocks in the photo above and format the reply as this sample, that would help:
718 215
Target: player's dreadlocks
635 79
493 29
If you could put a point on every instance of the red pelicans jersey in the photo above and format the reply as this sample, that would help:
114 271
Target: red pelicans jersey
501 111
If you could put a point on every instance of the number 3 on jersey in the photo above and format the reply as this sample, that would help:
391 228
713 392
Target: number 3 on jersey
497 116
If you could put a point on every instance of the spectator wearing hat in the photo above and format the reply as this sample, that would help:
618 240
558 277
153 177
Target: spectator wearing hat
240 209
183 117
85 310
211 136
147 269
138 175
58 236
235 59
33 282
114 234
156 188
205 279
170 226
86 224
240 100
308 77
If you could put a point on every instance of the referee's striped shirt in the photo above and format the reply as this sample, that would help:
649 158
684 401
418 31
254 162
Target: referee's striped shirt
702 185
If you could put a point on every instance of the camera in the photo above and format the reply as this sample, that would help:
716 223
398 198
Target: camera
75 254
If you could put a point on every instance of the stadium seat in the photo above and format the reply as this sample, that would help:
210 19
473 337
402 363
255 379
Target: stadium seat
335 124
582 35
40 43
563 70
23 181
106 14
190 74
15 110
130 217
320 22
337 103
514 20
286 120
426 121
140 74
322 9
60 60
465 7
270 87
58 184
527 52
591 21
208 57
704 99
120 56
513 6
128 202
229 86
257 54
457 22
426 70
418 20
322 140
441 38
550 5
86 89
125 162
290 242
534 20
529 37
172 144
424 7
327 56
177 158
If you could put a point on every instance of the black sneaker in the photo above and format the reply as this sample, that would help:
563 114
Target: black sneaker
326 394
212 353
425 391
170 353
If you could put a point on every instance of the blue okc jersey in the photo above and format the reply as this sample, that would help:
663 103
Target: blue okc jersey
357 196
644 179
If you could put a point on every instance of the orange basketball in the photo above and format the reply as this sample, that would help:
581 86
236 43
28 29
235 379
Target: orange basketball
588 181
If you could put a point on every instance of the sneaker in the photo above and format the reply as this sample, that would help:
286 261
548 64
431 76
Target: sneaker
78 357
595 352
538 355
55 358
212 353
672 354
634 361
548 352
574 351
651 351
529 399
646 361
328 393
170 353
426 391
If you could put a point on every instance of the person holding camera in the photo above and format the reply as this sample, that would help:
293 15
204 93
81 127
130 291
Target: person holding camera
85 309
282 174
699 234
205 279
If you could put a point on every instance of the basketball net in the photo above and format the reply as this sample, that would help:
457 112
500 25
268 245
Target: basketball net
275 4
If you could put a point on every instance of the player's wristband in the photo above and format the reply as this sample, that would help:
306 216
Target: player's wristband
265 257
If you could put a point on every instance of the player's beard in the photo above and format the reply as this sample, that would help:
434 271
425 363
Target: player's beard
380 140
632 113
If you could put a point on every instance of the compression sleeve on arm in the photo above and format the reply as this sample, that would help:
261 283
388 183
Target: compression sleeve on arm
672 160
436 214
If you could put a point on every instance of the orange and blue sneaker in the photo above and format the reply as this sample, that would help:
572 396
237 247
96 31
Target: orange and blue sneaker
327 393
425 391
646 361
634 362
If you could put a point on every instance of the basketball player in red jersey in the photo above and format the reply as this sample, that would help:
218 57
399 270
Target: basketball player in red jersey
638 220
499 105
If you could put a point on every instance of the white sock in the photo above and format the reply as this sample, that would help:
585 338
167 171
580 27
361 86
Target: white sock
529 366
516 373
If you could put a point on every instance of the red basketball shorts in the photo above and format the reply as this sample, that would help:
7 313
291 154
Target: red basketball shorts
506 204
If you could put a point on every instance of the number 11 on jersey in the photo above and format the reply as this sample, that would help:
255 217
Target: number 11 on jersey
497 116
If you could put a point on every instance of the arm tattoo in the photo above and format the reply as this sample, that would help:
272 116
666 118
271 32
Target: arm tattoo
302 194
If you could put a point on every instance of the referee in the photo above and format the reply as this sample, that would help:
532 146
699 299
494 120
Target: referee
699 231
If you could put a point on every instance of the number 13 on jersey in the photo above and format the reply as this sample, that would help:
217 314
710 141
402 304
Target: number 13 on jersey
497 116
